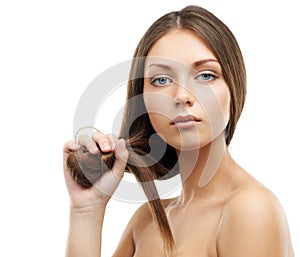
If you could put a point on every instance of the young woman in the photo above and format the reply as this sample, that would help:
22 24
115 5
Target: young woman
192 88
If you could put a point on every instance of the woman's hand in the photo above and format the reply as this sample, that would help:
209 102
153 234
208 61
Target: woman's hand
99 194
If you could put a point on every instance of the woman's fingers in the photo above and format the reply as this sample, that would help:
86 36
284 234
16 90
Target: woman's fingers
121 154
110 180
89 143
70 146
106 142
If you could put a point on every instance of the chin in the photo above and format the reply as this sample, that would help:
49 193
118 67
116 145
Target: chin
190 143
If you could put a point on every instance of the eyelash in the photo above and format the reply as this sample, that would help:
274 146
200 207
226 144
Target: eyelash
212 76
155 81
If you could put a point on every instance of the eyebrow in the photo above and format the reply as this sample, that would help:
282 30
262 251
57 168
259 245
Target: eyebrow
201 62
194 65
164 66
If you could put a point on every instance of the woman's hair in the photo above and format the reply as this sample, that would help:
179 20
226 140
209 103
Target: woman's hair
224 46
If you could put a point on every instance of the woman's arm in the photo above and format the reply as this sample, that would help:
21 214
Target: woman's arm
254 225
85 232
87 205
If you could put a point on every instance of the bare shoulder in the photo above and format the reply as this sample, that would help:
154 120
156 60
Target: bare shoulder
141 218
126 246
140 227
253 224
253 198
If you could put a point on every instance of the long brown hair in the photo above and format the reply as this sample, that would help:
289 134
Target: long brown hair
137 132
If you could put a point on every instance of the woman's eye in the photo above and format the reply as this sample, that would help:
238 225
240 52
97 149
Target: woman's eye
207 77
161 81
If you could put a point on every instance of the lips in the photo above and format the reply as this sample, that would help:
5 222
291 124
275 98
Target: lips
185 121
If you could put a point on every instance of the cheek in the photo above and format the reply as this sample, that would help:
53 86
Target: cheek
158 122
215 101
223 97
158 105
152 104
158 111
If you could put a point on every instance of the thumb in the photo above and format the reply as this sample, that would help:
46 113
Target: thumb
109 181
121 154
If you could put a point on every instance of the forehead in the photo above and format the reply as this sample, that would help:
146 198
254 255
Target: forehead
183 46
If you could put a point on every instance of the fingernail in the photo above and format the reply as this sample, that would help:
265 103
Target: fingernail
75 145
105 146
122 143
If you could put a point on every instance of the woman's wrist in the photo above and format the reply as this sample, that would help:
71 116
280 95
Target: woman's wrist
94 209
85 231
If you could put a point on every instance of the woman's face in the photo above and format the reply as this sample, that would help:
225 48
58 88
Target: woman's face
185 94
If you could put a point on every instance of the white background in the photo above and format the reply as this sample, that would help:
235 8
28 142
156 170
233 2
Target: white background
51 50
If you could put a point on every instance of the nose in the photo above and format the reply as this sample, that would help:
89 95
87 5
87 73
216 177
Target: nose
184 97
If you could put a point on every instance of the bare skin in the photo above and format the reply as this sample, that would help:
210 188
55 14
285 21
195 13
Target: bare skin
236 218
230 214
201 221
87 206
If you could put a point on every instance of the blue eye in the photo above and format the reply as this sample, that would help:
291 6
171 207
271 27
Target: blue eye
161 81
207 77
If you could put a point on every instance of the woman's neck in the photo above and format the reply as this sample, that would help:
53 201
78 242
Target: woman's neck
199 167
